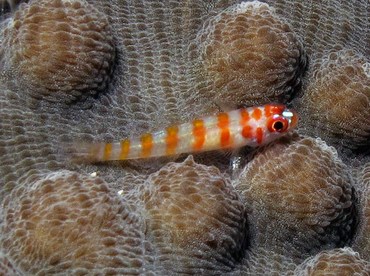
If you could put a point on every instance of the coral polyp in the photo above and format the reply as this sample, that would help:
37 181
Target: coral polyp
362 242
251 56
63 50
316 201
70 223
187 206
340 89
343 261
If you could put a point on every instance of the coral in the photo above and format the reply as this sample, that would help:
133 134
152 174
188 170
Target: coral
6 266
336 103
93 70
250 55
63 50
362 242
263 261
65 222
301 197
195 218
328 25
28 135
334 262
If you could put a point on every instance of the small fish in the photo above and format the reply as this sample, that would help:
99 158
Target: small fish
254 126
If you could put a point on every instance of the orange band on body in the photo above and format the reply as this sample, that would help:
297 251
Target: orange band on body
223 124
125 148
244 117
107 151
199 133
172 140
146 145
244 123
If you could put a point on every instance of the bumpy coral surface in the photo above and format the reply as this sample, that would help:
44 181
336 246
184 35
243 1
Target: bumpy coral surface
362 243
315 207
89 70
69 223
251 56
335 262
6 267
62 49
340 88
188 207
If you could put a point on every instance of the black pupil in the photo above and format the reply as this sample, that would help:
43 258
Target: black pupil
278 126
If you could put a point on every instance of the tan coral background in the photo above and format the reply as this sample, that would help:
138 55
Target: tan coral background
77 70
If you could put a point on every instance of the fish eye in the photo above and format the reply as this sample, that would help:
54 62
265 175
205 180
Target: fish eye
279 124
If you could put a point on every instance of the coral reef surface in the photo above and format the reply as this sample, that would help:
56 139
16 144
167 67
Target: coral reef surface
91 70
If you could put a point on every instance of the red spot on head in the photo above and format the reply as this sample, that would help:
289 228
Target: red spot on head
257 114
271 109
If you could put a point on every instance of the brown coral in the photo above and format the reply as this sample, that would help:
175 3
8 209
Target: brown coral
362 242
336 262
301 195
251 55
63 50
336 104
327 25
155 82
6 266
70 223
195 218
263 261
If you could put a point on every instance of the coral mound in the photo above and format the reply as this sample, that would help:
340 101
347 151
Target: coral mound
300 193
336 262
362 242
251 55
195 218
72 224
61 50
336 104
6 267
265 262
85 71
